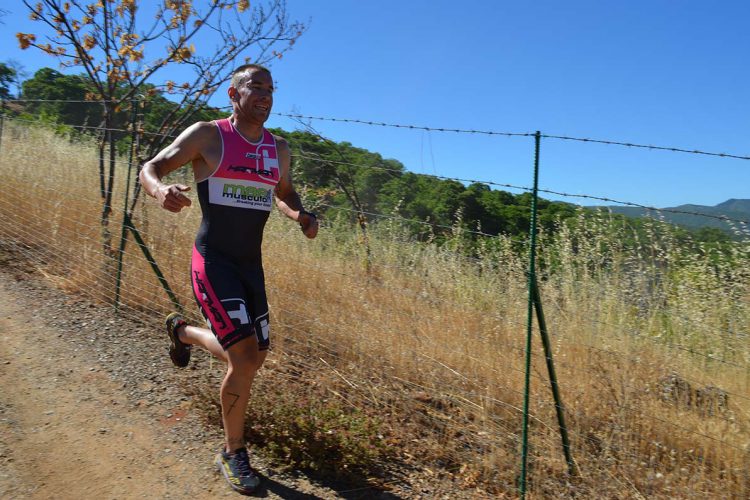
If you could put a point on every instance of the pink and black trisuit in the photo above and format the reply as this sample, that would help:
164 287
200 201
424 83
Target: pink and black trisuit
227 268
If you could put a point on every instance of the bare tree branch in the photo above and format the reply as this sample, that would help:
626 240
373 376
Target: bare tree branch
120 59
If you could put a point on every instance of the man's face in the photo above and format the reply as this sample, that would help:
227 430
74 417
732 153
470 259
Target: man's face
253 98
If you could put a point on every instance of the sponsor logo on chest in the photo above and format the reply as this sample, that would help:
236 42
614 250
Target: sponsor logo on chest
240 193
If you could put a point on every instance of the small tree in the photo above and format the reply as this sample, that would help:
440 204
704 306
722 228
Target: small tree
19 74
7 77
122 50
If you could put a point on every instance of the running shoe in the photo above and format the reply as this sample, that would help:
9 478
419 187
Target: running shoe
179 352
236 469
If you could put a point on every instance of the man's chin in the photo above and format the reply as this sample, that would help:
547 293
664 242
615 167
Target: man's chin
261 117
256 119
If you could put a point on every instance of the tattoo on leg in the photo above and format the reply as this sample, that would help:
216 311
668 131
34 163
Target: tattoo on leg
236 397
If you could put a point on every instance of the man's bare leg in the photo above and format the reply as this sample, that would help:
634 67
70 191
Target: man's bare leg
202 337
244 360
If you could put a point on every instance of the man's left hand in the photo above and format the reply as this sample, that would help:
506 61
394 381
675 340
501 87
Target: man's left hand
309 224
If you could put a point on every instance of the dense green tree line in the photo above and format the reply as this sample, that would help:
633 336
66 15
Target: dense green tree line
64 99
384 187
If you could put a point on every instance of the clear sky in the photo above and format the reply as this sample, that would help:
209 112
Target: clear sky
657 72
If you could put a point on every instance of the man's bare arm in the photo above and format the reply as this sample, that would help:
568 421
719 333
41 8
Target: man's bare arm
287 199
188 146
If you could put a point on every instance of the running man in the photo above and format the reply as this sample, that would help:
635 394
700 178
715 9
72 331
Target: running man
238 167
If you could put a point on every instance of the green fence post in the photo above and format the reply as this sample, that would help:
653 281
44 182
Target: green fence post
530 316
127 225
152 263
124 232
559 408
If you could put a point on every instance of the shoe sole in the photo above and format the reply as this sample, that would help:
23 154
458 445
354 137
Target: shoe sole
174 341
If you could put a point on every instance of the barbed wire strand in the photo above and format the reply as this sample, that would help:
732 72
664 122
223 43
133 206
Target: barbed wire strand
411 127
528 189
511 134
646 146
452 130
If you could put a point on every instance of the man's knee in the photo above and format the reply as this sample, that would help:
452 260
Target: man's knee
245 357
250 365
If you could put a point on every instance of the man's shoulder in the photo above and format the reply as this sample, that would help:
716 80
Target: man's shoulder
201 130
280 141
204 126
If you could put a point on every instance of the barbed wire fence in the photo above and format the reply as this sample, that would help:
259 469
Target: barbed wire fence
20 232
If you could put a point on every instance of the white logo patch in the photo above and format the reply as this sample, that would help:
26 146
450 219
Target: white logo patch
240 314
264 328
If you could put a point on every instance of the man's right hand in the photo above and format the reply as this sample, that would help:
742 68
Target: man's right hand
170 197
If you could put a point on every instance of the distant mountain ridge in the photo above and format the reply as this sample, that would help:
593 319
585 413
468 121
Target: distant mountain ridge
735 208
735 205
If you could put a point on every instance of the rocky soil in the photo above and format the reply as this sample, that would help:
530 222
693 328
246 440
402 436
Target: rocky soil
91 407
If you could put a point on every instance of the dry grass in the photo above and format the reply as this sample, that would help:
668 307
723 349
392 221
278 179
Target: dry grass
650 338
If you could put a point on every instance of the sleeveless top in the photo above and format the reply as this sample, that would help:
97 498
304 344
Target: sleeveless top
236 199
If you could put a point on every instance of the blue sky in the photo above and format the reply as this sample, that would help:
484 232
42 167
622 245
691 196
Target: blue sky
655 72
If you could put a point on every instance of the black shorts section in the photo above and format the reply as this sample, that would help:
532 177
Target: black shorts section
234 297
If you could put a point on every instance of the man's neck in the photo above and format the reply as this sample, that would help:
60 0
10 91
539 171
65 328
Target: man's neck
251 132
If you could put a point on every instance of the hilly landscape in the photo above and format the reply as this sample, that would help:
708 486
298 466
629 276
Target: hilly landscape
698 216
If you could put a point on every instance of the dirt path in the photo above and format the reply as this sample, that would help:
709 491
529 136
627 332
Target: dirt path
85 412
68 431
78 438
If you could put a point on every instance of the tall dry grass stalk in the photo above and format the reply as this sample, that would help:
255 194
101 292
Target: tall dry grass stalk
650 334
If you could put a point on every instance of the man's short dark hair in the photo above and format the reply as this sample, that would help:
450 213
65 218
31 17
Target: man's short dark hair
238 75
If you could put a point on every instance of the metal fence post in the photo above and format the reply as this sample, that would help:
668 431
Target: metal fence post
535 304
125 218
154 266
530 317
559 408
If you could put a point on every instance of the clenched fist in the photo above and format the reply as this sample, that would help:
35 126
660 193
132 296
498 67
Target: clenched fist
170 197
